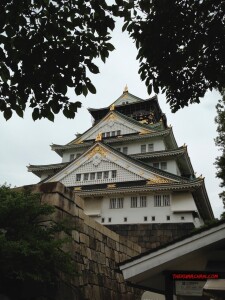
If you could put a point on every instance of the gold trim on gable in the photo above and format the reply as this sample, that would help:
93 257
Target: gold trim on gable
144 131
110 186
157 180
96 150
78 188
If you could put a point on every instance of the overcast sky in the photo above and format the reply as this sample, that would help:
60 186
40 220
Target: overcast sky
25 142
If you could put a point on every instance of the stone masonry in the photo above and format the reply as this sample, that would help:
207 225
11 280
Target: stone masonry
150 236
96 250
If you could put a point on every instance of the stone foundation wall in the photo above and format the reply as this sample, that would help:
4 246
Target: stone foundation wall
96 250
150 236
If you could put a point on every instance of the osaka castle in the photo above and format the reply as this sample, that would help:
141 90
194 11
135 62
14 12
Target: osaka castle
129 169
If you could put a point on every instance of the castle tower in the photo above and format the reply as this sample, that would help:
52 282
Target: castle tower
131 173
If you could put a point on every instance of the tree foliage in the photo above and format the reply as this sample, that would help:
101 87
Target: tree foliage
220 142
48 46
30 250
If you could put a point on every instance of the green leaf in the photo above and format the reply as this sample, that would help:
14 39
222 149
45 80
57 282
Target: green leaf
35 114
85 90
125 26
4 72
93 68
7 113
91 87
110 46
50 116
19 111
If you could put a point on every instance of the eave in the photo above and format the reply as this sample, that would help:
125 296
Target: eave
167 134
39 169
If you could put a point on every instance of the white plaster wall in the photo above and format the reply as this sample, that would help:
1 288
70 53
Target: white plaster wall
135 147
93 206
109 126
183 201
171 166
136 215
66 155
122 174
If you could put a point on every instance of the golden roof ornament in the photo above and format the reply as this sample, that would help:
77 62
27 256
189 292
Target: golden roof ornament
112 107
99 137
125 89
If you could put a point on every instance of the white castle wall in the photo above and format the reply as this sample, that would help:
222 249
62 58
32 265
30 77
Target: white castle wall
100 210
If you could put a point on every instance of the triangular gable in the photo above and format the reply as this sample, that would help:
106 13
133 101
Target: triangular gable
113 121
100 158
126 98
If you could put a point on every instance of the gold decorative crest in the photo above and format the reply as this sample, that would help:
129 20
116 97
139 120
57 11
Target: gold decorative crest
112 107
110 186
78 188
144 131
98 150
98 137
157 180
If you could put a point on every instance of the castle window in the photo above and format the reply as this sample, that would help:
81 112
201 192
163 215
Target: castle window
153 218
103 134
182 217
118 149
92 176
115 203
168 218
78 177
114 174
103 220
166 200
120 203
118 132
109 220
99 175
71 157
133 202
113 133
161 200
112 203
157 200
78 155
143 202
125 150
106 174
150 147
143 148
156 165
125 219
86 176
107 134
163 165
145 219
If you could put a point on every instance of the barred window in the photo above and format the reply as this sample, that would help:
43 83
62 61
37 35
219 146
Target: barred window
78 177
113 133
120 203
118 132
112 203
71 157
157 200
92 176
150 147
125 150
143 201
114 173
86 176
99 175
156 165
143 148
166 200
106 174
162 200
107 134
133 202
163 165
